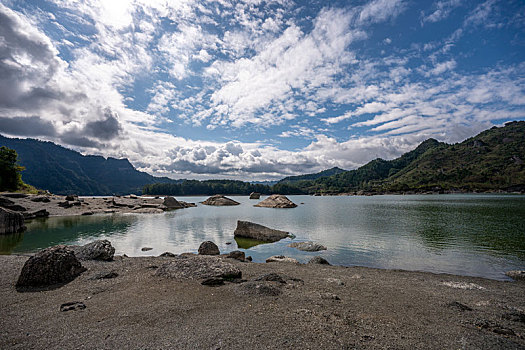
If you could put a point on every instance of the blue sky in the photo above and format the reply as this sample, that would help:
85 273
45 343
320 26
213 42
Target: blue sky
254 89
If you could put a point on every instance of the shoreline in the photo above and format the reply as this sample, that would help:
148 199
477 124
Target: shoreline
318 306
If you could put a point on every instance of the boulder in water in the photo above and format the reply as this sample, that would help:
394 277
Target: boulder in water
276 201
220 200
208 248
307 246
50 266
11 221
255 195
258 232
172 203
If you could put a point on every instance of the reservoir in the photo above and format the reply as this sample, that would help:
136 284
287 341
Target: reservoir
464 234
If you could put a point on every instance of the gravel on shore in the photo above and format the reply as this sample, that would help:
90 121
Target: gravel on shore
124 304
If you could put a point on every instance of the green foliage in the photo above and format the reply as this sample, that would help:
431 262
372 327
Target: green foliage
10 177
324 173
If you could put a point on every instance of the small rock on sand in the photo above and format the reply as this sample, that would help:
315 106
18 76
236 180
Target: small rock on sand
318 260
73 305
198 267
258 289
518 275
281 258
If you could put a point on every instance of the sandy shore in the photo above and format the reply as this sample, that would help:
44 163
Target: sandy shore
319 307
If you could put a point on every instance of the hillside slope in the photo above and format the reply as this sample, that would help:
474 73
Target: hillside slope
62 171
324 173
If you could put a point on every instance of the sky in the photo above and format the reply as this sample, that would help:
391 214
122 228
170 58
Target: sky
258 90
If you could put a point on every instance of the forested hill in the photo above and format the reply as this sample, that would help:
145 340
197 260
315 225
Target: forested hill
492 160
324 173
64 171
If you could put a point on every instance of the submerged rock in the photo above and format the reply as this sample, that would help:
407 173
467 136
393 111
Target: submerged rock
281 258
50 266
198 267
208 248
276 201
220 200
255 195
307 246
318 260
11 221
258 232
97 250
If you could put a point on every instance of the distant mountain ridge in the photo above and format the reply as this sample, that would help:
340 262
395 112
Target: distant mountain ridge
64 171
491 160
324 173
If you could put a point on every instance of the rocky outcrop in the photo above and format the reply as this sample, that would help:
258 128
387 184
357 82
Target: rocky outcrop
11 221
42 213
97 250
50 266
172 203
518 275
318 260
307 246
281 258
208 248
258 232
276 201
255 195
220 200
198 268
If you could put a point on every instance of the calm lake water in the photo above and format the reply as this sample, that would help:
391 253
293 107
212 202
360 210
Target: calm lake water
475 235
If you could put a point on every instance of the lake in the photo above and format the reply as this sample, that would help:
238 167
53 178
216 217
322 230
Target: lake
464 234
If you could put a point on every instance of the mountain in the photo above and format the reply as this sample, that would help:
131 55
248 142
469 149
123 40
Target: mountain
324 173
492 160
64 171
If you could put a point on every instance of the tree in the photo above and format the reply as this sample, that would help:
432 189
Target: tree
10 177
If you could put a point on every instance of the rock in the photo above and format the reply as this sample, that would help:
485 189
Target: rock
133 196
42 213
105 275
276 201
198 267
65 204
228 243
307 246
329 296
50 266
146 249
258 289
258 232
213 281
515 316
4 202
255 195
236 254
97 250
272 277
71 198
167 255
15 195
73 305
318 260
248 258
16 207
335 281
220 200
87 213
281 258
11 221
172 203
208 248
518 275
459 306
43 199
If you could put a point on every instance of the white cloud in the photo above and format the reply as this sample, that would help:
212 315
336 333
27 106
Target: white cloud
442 10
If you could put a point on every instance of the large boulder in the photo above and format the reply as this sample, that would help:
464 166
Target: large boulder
50 266
276 201
198 267
172 203
255 195
307 246
208 248
258 232
97 250
220 200
11 221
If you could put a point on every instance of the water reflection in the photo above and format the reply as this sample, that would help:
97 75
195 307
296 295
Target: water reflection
480 235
